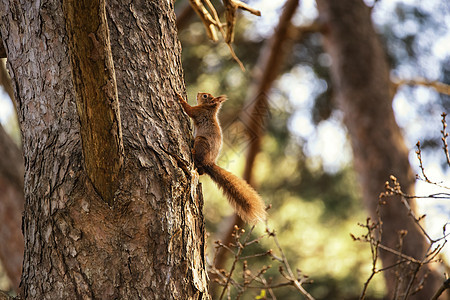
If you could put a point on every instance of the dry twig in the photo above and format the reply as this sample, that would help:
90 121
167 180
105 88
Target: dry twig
254 279
211 21
231 7
438 86
445 285
406 266
444 137
419 157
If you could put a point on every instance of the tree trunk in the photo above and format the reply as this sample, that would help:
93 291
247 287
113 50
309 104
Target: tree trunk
361 78
148 241
11 207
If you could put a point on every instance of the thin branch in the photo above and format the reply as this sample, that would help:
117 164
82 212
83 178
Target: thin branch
300 32
444 137
216 17
208 21
411 281
238 233
419 157
373 237
445 285
396 190
231 7
235 57
250 279
211 21
290 276
440 87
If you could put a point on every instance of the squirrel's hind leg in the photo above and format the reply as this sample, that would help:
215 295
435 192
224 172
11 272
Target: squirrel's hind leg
201 153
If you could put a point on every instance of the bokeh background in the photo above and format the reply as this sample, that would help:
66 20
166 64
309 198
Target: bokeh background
305 166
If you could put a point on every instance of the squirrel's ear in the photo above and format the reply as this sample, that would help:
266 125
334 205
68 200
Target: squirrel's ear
221 98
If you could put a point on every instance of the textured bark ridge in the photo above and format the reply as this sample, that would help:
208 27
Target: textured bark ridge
96 93
149 243
361 77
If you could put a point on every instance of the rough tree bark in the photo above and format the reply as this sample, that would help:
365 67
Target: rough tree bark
149 242
360 74
11 207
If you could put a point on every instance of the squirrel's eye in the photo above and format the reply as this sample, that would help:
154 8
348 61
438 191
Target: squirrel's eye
204 96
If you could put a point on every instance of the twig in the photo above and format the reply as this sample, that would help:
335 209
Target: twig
231 7
411 281
374 251
438 86
233 54
445 285
216 16
419 157
373 237
209 22
236 256
254 280
444 137
297 284
396 190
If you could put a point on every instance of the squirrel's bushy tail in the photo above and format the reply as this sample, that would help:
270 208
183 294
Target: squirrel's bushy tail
245 200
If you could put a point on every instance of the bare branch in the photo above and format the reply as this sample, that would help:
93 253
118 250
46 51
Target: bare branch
406 265
211 21
231 7
207 19
419 157
445 285
438 86
290 275
444 137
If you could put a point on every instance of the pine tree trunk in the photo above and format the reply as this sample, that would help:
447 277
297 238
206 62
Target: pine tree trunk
147 240
361 78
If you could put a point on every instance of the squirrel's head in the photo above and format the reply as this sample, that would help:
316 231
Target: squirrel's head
208 99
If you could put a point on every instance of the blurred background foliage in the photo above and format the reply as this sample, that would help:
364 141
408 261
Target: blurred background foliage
304 168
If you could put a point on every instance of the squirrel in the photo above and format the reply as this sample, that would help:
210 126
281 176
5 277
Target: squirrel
207 144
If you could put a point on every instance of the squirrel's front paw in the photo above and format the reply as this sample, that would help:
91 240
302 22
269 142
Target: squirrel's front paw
180 97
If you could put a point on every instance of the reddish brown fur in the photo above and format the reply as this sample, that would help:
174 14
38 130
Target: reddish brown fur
208 142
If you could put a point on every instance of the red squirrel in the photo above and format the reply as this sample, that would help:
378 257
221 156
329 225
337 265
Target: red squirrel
207 144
